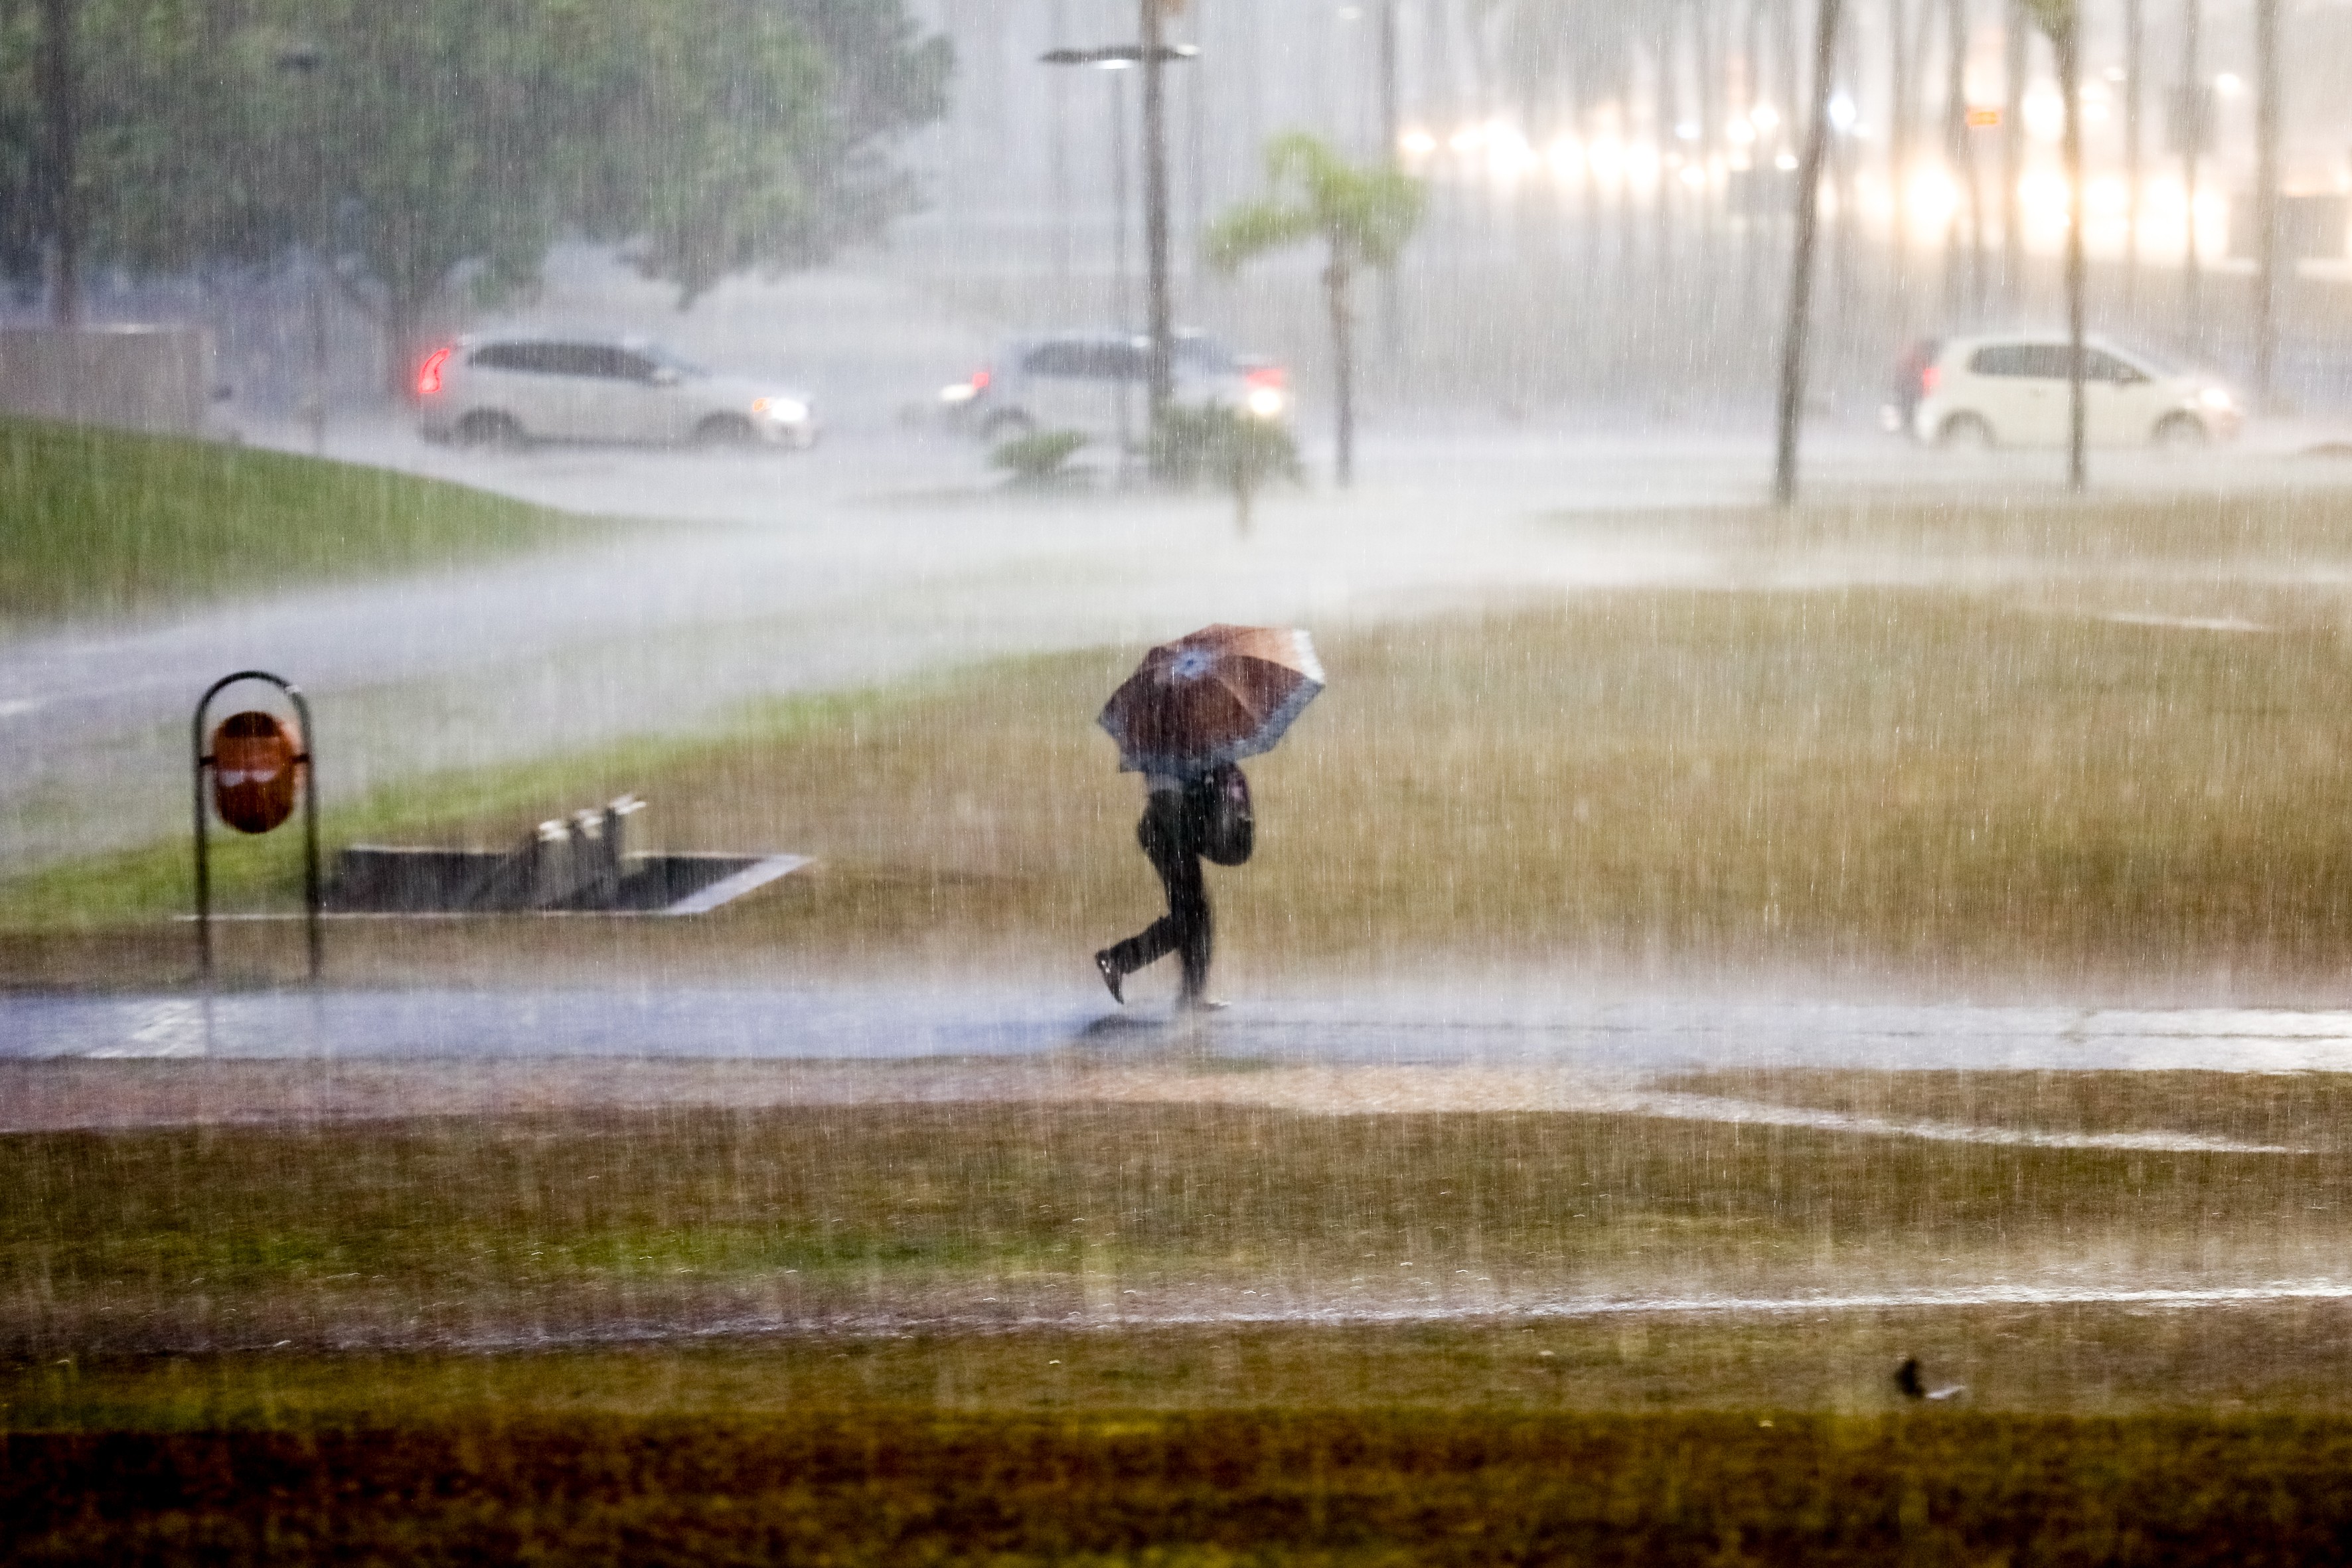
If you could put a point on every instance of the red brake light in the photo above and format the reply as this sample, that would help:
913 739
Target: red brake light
1272 375
1930 377
980 380
428 375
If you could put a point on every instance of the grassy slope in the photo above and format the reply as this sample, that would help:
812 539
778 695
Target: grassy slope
1935 778
102 522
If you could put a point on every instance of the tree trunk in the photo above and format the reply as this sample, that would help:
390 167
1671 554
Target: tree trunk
2066 42
1343 367
2134 53
1969 206
2266 185
60 139
1800 269
1626 220
2192 129
1708 59
2013 154
1392 155
1899 154
1662 113
1760 157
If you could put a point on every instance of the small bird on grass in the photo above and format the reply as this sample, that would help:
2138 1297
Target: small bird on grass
1908 1384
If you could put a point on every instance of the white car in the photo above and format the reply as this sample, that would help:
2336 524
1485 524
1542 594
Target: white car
1095 382
2010 390
507 391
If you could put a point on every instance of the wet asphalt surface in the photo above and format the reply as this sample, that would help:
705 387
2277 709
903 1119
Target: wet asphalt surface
1429 1027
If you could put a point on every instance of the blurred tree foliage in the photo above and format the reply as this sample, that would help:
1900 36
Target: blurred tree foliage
443 144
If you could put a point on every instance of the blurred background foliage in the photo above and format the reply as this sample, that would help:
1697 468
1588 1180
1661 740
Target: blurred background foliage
445 145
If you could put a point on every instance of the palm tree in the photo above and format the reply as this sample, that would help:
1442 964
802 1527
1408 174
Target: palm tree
1363 216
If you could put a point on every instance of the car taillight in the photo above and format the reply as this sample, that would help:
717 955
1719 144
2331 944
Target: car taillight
1929 378
428 375
980 380
1272 377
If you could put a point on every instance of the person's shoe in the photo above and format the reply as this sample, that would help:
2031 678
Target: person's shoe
1202 1003
1112 976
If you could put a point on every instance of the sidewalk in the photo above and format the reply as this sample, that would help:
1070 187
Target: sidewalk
859 1024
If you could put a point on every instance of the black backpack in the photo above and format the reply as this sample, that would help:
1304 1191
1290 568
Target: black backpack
1229 832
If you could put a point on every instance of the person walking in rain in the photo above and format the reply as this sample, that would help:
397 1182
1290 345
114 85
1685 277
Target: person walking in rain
1183 720
1184 820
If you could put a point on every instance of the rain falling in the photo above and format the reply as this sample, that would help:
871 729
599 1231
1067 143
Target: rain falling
1176 782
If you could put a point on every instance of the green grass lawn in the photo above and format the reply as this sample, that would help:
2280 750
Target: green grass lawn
2059 784
577 1224
96 522
1082 1431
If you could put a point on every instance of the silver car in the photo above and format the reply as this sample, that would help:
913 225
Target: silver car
1095 382
509 390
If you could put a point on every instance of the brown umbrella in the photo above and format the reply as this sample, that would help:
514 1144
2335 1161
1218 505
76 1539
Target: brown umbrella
1217 695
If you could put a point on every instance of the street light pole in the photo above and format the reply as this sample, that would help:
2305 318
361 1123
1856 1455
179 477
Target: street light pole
1152 53
1155 210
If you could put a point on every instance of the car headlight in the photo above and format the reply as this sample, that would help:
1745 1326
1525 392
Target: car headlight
961 391
783 410
1266 402
2217 399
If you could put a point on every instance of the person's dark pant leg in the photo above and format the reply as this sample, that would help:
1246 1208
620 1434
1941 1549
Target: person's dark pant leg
1172 846
1188 916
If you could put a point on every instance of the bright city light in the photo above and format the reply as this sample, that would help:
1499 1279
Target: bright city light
1417 143
1508 152
1764 117
2044 195
1844 115
2045 112
1931 198
1741 132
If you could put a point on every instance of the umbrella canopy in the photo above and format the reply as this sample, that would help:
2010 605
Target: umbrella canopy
1217 695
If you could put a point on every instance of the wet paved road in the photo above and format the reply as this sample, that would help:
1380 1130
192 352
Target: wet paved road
861 1024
